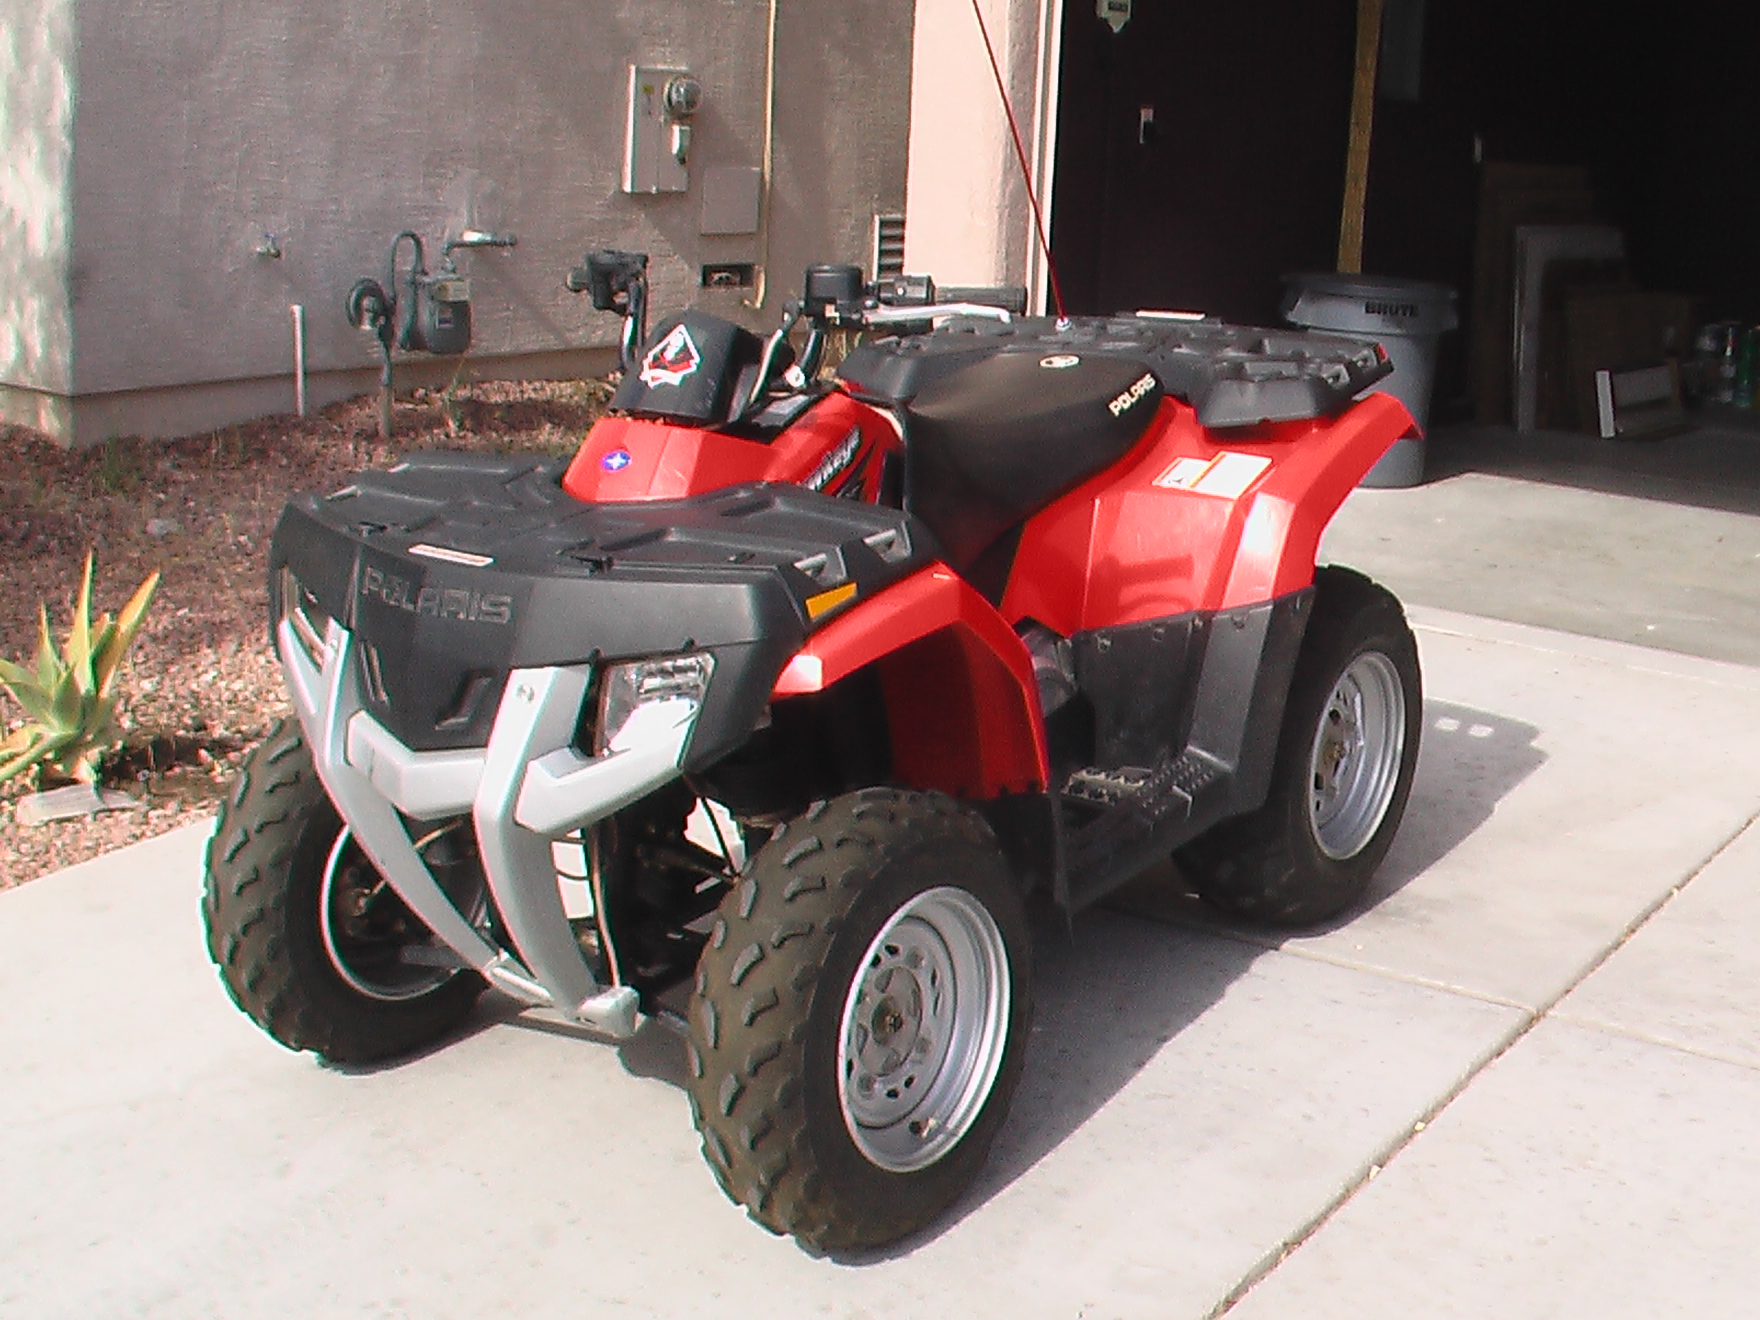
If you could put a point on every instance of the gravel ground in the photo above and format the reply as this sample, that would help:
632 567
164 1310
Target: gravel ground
200 687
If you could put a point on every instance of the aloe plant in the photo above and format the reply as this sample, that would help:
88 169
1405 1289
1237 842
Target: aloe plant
69 696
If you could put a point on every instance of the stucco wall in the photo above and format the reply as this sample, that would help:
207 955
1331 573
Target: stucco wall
36 173
202 126
843 112
970 220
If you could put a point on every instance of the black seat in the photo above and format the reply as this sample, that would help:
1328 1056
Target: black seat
999 440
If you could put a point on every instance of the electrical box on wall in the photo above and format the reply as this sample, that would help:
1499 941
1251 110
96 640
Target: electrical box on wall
732 199
657 144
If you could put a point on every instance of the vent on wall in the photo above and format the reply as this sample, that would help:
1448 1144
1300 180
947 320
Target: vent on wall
888 246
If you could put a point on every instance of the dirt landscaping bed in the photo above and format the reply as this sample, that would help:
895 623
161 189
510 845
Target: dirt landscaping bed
201 687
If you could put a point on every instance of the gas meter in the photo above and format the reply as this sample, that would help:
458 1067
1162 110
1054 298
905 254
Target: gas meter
416 309
442 323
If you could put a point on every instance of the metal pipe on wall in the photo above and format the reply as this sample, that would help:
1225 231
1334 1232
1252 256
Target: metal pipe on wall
1045 92
765 182
299 358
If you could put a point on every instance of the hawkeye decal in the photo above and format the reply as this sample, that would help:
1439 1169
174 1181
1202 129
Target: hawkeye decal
1128 400
1228 475
835 462
1059 361
673 360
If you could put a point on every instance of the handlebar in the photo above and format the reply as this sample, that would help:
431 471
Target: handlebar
1011 297
931 312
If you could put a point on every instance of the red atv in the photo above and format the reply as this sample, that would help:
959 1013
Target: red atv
788 693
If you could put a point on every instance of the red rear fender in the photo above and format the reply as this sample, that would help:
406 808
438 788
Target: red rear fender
958 684
1291 508
1196 520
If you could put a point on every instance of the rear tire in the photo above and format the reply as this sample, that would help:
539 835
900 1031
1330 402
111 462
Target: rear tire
1343 772
308 941
859 1018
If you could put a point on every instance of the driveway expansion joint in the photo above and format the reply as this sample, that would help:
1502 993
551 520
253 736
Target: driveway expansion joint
1586 1022
1523 1029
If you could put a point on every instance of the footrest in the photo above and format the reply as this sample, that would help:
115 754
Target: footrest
1133 804
1104 788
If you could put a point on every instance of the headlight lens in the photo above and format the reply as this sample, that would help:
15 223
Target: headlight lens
639 700
309 622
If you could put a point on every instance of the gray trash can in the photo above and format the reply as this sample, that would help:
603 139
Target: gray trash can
1408 318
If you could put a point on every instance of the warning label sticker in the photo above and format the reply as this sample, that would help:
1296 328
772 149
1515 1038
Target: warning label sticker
1227 476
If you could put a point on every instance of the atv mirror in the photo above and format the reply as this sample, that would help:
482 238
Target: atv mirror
617 282
827 291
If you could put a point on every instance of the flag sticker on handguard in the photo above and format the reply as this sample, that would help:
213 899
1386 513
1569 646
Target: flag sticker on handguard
1228 475
671 360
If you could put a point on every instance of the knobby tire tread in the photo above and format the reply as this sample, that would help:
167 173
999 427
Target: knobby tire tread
756 982
267 946
1263 867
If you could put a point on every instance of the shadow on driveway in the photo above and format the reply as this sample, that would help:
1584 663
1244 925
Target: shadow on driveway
1114 986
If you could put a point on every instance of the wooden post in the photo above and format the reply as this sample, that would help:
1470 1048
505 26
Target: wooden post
1356 169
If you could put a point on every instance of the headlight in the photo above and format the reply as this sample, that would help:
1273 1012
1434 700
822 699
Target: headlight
309 622
639 700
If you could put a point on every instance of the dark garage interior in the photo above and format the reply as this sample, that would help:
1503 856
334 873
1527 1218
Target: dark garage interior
1202 151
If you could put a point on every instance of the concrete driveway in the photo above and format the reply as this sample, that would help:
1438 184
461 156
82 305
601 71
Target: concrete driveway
1524 1081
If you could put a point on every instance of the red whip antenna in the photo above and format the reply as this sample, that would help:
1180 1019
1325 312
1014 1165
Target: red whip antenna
1020 154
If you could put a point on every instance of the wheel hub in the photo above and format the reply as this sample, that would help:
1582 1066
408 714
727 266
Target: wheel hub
892 1019
1341 740
923 1030
895 1049
1354 765
369 935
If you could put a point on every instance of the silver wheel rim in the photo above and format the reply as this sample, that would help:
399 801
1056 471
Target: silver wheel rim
413 980
1353 766
924 1030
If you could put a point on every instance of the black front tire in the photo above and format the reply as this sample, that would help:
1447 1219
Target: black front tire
266 906
1345 759
859 1019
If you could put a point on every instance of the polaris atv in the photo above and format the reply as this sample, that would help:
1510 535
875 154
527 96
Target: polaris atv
783 697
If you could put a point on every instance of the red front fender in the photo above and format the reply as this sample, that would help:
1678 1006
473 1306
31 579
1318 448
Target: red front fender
958 684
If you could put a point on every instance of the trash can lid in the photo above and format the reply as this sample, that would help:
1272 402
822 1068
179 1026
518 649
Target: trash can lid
1378 304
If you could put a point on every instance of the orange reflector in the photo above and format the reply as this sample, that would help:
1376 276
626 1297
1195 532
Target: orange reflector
826 601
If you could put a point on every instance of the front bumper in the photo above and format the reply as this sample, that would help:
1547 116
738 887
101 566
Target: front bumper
527 787
453 611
